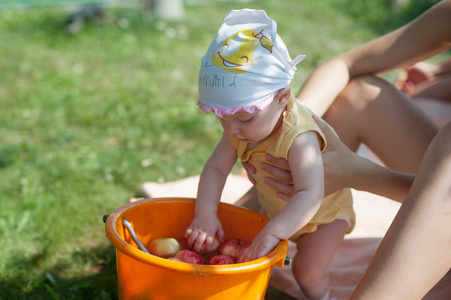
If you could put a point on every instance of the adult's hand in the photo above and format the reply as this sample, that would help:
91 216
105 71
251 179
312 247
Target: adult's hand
337 160
282 181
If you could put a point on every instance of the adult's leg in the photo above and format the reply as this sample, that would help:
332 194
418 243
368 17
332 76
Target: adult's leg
434 98
415 253
374 112
438 89
438 111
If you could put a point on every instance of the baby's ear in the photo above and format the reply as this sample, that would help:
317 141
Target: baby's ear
284 95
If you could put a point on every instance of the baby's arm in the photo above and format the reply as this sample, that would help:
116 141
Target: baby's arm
306 165
206 224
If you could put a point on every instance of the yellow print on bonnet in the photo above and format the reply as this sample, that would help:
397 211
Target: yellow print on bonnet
236 54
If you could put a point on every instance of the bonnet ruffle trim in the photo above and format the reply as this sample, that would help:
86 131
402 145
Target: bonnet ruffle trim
220 112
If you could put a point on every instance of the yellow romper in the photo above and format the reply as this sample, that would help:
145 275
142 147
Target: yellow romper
297 119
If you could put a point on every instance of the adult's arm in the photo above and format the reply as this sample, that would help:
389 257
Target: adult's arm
420 39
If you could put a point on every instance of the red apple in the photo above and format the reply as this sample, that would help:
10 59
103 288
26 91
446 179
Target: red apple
232 248
221 259
190 257
164 247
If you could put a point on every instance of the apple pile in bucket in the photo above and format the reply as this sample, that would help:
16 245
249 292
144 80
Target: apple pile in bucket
225 253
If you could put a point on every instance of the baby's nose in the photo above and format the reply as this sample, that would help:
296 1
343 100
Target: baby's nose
232 128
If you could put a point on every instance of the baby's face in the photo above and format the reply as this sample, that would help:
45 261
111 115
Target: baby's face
254 127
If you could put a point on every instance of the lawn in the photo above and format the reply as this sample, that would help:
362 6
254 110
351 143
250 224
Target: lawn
87 117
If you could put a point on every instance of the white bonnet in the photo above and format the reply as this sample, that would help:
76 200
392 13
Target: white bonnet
245 65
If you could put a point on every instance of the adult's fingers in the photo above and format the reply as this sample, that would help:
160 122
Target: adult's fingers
250 169
279 162
283 188
282 175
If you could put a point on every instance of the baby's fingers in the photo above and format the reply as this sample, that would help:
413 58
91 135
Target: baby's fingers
188 232
220 234
242 255
246 255
192 238
250 254
200 239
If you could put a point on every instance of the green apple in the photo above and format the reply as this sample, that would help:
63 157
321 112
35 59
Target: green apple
214 247
164 247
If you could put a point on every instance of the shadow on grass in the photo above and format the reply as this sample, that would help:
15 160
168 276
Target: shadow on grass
56 282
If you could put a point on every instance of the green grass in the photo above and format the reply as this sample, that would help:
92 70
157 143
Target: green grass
86 118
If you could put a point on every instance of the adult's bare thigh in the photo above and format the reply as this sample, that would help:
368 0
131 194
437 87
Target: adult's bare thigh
374 112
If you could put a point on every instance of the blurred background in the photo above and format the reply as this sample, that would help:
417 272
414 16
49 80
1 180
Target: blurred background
97 97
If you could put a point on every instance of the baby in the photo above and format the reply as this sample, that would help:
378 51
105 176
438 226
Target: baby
244 80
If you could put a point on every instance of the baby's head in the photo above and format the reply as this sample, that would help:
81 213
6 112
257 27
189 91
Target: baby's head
245 66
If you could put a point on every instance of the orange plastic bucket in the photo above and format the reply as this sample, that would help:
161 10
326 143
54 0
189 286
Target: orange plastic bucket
145 276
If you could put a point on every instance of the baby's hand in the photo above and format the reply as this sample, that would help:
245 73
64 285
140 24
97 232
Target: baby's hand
261 246
202 230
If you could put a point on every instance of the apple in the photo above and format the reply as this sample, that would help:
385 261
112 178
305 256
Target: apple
232 248
190 257
164 247
214 247
221 259
174 259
